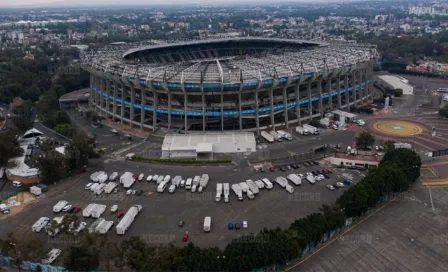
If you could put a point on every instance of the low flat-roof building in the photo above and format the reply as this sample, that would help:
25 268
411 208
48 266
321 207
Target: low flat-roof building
203 146
348 115
343 159
396 82
73 99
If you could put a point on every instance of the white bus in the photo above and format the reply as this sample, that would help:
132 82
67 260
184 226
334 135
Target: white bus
442 90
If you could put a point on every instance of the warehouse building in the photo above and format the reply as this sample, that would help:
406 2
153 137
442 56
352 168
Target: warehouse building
203 146
396 82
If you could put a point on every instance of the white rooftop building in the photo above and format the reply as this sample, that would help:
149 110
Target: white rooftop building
397 82
203 146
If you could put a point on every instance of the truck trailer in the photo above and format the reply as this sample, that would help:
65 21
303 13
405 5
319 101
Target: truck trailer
204 180
95 225
252 186
302 131
311 129
218 192
40 224
37 191
127 180
128 218
268 184
295 179
87 212
311 179
98 210
100 189
110 187
238 191
176 181
268 137
276 136
244 187
284 135
281 181
226 192
59 206
104 227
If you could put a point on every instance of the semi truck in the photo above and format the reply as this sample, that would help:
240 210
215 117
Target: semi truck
268 137
207 224
311 129
98 210
104 227
59 206
167 178
218 192
110 187
226 192
311 179
302 131
40 224
100 189
88 210
127 180
128 218
284 135
295 179
238 191
259 184
281 181
268 184
244 187
176 181
252 186
276 136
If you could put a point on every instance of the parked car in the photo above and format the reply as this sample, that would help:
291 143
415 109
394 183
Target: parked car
230 226
326 176
331 187
315 163
71 210
88 186
185 237
77 210
128 192
347 182
301 176
181 223
139 192
114 208
289 167
67 208
172 188
296 166
271 169
237 226
120 214
339 184
282 169
134 192
244 224
306 164
314 173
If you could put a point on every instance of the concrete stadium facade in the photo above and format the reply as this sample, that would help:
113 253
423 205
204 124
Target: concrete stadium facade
228 84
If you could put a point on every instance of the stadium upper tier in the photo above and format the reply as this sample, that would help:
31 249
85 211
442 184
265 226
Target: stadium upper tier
226 61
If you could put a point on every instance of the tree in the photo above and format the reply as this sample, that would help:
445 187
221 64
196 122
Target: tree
65 129
9 147
61 117
389 145
79 150
405 159
355 200
315 123
398 92
443 112
53 166
81 258
364 140
20 125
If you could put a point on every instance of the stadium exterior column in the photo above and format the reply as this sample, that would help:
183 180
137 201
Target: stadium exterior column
131 116
142 106
101 98
182 86
222 107
154 105
203 108
97 95
347 93
330 92
338 89
296 92
239 106
92 92
271 99
310 103
285 103
257 118
169 107
353 80
360 87
123 96
321 102
114 105
107 99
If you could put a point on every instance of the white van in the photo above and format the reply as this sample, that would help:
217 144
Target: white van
193 188
182 183
160 179
155 177
162 186
188 184
250 195
16 184
289 188
172 188
94 186
88 186
207 224
268 183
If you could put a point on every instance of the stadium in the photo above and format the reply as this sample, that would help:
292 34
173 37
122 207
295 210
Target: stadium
241 84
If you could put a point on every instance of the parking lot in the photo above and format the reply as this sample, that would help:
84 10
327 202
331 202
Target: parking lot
158 222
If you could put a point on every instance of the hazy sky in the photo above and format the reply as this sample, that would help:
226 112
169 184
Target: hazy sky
78 3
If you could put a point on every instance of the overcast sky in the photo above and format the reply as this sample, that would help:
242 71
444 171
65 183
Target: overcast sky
78 3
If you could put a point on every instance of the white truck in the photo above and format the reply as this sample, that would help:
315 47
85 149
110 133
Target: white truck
276 136
87 212
281 181
52 256
59 206
204 180
98 210
311 179
289 188
196 180
311 129
113 176
207 224
167 178
4 209
226 192
238 191
110 187
104 226
244 187
95 225
268 184
252 186
53 231
162 186
102 177
295 179
128 218
37 191
100 189
127 179
285 135
259 183
218 192
40 224
302 131
268 137
250 195
176 181
160 179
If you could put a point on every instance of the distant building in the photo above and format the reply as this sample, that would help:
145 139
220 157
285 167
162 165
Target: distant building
421 10
145 27
396 82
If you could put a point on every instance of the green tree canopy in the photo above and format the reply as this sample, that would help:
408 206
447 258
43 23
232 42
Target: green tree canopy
405 159
365 139
443 111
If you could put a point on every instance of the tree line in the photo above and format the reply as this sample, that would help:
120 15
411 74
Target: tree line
270 248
